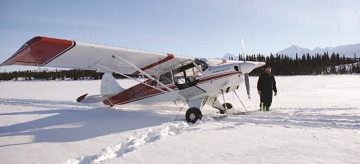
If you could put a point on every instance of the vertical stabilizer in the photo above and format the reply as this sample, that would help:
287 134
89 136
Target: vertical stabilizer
109 85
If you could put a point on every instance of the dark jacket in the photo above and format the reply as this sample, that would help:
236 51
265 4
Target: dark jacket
266 84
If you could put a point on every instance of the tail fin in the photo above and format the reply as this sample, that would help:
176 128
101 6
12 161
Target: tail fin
109 86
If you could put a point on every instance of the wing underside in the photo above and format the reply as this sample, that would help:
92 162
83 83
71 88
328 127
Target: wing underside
59 53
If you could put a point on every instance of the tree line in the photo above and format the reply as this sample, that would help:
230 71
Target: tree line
51 75
307 64
281 65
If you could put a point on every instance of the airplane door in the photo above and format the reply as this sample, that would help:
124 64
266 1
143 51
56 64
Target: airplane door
193 91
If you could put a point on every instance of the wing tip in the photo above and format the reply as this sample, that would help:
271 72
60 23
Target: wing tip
33 40
38 51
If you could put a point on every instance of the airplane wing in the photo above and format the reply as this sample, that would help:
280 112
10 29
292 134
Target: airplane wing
60 53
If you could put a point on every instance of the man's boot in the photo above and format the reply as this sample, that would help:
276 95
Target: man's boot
262 107
267 108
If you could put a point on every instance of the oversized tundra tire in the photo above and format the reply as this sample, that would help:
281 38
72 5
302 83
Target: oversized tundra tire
193 114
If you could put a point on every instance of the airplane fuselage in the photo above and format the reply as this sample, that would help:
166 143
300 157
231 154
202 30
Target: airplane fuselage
214 81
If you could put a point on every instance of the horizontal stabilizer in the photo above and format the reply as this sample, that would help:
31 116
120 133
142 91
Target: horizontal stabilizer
92 99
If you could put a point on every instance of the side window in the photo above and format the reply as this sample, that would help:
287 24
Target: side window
179 77
193 72
166 78
186 76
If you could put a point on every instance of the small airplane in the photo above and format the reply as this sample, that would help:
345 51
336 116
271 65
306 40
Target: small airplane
194 82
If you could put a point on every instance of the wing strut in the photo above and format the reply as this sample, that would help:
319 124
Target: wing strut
129 77
144 73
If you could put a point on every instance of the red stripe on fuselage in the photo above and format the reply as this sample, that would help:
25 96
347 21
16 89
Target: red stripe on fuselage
39 51
168 57
217 77
136 93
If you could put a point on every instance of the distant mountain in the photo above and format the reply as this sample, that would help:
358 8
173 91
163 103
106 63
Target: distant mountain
347 50
293 50
229 56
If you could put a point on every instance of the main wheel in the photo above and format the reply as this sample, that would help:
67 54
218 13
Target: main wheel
193 114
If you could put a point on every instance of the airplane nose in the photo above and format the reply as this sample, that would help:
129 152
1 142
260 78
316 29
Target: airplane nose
248 66
260 64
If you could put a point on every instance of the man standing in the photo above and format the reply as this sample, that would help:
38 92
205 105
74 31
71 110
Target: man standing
266 85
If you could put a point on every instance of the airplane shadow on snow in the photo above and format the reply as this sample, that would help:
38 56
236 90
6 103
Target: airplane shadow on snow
75 123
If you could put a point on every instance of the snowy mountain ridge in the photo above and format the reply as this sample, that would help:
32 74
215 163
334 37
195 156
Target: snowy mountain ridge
347 50
229 56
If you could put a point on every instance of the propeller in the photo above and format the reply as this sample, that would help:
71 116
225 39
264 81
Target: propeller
246 75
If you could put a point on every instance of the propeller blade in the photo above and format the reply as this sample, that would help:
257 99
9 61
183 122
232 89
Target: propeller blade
247 84
243 49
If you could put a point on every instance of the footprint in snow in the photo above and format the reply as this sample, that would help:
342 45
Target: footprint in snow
133 142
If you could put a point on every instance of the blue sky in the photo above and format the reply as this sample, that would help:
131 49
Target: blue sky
199 28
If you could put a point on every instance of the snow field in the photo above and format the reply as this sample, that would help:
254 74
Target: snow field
314 119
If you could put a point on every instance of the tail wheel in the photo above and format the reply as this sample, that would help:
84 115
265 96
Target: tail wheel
193 114
227 105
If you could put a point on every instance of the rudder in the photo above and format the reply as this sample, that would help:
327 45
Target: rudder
109 85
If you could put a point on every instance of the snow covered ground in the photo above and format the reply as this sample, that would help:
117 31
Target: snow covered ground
314 119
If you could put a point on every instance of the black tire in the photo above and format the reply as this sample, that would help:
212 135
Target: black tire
228 105
193 114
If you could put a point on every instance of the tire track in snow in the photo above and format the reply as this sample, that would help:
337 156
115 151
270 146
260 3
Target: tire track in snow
300 117
137 140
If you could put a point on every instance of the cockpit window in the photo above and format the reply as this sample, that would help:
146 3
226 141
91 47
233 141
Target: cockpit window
186 76
202 64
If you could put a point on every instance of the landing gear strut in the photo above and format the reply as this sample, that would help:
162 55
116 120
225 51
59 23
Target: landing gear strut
193 114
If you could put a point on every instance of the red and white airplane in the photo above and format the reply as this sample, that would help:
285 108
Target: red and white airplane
170 78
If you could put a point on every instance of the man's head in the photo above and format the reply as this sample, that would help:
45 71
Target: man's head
268 70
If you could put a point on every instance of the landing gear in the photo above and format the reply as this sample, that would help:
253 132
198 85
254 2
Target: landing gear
193 114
